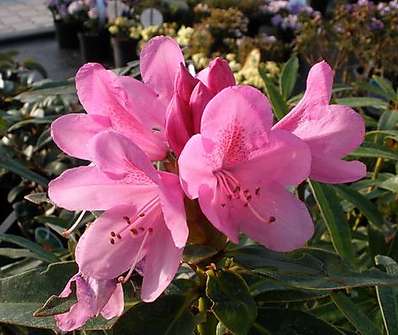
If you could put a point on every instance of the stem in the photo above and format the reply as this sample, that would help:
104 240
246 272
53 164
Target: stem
202 306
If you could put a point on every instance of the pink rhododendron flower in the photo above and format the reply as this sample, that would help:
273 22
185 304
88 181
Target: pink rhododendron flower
94 297
240 169
331 131
144 218
121 103
190 98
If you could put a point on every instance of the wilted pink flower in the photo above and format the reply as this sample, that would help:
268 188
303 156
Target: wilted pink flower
94 297
121 103
144 218
331 131
240 170
190 98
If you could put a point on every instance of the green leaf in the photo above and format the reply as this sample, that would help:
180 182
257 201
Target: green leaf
390 184
309 268
362 102
278 103
57 305
386 87
333 216
22 294
288 77
387 133
19 169
16 253
388 120
356 317
168 315
194 253
374 150
285 321
33 247
232 302
388 296
366 207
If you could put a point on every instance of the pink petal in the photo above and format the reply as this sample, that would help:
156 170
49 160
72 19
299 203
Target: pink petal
194 167
115 305
213 206
217 75
72 132
172 202
291 224
184 83
159 62
142 102
132 108
92 296
118 157
237 120
200 97
98 257
94 85
318 93
87 188
161 264
178 124
285 159
336 171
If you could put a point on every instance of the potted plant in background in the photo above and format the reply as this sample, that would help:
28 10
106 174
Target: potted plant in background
125 34
66 27
94 37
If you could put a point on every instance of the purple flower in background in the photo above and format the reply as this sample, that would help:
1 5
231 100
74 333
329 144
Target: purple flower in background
376 24
276 20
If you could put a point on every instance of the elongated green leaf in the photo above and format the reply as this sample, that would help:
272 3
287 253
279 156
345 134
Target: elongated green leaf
334 218
352 312
390 184
19 169
168 315
279 105
233 304
288 77
366 207
386 133
386 87
16 253
310 268
388 120
33 247
363 102
284 321
374 150
388 296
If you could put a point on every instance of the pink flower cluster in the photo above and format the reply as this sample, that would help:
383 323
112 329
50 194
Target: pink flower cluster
230 156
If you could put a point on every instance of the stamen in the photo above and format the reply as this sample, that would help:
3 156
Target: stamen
134 231
257 192
112 241
113 234
272 219
125 279
68 232
126 218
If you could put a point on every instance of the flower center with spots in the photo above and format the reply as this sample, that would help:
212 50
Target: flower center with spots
234 191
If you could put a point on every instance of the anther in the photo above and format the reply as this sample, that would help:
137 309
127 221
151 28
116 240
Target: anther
126 218
249 197
257 191
141 215
142 228
112 241
246 192
245 204
229 197
237 189
223 205
272 219
119 236
150 230
113 234
134 231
